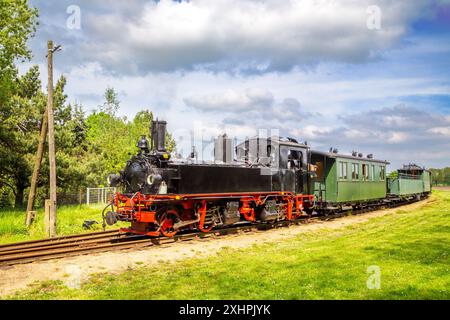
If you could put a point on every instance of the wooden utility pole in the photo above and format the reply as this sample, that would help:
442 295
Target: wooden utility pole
36 171
47 217
51 141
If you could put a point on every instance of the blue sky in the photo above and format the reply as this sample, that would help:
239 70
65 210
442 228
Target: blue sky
309 69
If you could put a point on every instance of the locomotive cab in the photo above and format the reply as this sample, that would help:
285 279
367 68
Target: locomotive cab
284 159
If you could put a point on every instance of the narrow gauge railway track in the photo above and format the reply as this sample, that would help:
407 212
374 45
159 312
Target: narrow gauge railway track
111 240
59 240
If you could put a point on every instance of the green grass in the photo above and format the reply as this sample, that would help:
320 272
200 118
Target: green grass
70 221
411 248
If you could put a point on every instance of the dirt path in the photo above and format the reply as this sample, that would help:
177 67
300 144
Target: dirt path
444 188
75 270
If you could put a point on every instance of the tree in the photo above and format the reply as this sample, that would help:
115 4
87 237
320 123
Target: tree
71 148
111 140
17 24
19 132
141 126
111 104
87 148
17 95
441 176
22 127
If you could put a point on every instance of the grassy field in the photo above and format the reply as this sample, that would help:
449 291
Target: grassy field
70 221
410 248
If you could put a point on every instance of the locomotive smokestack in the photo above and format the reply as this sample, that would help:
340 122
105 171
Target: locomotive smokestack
159 135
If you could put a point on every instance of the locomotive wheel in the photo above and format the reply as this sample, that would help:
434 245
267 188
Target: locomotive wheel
167 222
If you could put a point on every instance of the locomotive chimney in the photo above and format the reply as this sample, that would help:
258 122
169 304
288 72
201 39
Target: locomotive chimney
158 135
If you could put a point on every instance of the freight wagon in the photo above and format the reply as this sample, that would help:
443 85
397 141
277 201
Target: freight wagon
410 181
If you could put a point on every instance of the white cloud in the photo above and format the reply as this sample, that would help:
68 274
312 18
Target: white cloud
255 106
232 100
397 137
310 131
160 56
241 35
444 131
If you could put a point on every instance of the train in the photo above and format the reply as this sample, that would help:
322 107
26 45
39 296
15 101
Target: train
261 180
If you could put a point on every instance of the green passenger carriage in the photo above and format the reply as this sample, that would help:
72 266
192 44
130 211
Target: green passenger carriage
348 181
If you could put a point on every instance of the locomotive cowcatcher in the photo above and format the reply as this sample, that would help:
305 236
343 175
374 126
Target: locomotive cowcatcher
260 180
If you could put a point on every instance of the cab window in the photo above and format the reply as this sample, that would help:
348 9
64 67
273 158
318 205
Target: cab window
295 159
290 158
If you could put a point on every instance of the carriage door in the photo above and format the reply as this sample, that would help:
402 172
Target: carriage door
291 168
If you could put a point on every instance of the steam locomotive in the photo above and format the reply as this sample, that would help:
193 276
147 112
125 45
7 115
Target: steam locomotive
261 180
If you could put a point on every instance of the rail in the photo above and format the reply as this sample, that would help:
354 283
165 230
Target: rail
104 241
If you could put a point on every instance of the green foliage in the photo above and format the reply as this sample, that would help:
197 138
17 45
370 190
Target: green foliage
111 140
392 175
111 104
441 177
87 148
409 246
17 24
70 221
19 129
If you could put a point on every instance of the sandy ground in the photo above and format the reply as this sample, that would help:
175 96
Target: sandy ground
75 270
445 188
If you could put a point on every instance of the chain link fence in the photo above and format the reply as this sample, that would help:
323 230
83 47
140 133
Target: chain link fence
85 196
88 196
99 195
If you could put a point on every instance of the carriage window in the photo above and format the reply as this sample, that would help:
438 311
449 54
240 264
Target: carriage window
355 171
342 170
382 173
365 171
372 173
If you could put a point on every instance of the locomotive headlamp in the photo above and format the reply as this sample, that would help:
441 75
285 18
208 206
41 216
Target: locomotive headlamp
154 179
113 180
